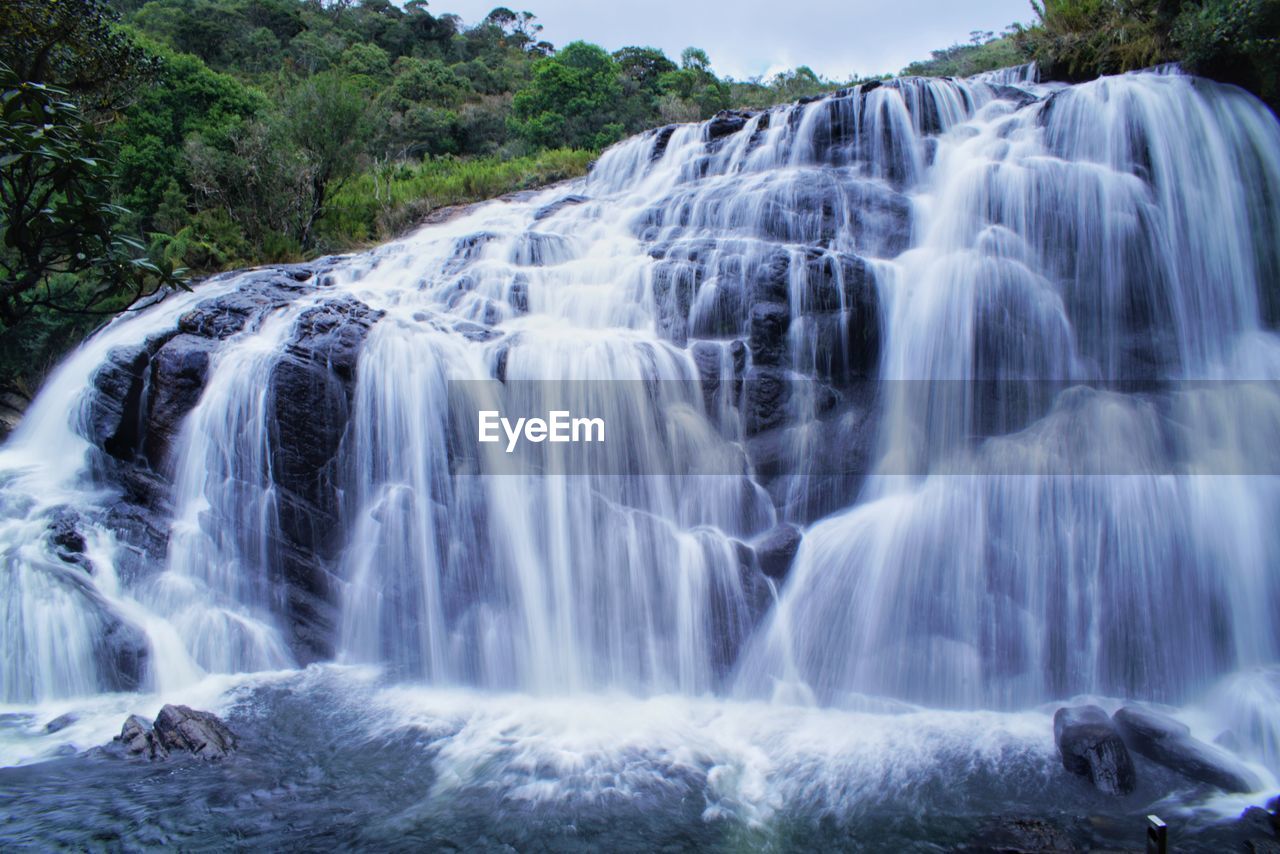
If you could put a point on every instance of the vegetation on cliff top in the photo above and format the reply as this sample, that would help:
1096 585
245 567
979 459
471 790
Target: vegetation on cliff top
207 134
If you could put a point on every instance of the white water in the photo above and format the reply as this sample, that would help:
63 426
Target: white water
1125 229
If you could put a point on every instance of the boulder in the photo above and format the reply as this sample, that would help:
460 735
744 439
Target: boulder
139 739
777 549
1091 747
200 733
1168 742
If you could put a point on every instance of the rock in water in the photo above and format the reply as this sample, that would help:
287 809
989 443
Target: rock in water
1091 747
777 549
201 733
60 723
1167 742
139 739
178 728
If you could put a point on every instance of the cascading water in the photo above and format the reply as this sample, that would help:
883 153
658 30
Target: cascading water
1003 351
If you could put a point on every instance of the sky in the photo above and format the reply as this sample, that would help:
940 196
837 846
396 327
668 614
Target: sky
836 38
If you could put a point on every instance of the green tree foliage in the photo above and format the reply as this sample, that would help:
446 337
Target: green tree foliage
74 45
244 131
692 91
62 249
1236 41
984 52
571 100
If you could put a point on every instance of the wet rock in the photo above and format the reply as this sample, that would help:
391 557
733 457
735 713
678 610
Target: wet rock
1258 822
1091 747
13 405
661 139
223 316
200 733
769 280
310 392
1022 836
67 541
776 550
726 122
115 408
559 205
60 723
123 651
178 373
766 392
139 739
518 296
768 333
1168 742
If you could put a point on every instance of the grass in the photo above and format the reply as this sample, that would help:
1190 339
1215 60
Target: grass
384 201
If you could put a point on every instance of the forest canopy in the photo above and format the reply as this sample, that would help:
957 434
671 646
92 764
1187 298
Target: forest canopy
181 137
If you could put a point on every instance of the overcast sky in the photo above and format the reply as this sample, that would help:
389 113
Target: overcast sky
836 38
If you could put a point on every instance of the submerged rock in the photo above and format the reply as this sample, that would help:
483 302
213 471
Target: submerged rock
1168 742
777 549
1091 747
178 729
60 723
1022 836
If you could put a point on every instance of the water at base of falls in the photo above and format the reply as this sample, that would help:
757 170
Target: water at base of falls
337 757
793 320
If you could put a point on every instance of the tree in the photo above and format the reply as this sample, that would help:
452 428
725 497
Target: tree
571 100
328 119
61 247
74 46
693 83
644 65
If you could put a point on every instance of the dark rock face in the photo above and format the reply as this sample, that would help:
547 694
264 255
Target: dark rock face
777 549
67 541
178 729
178 373
726 122
1091 747
1167 742
144 393
123 652
661 139
13 405
768 341
311 390
766 393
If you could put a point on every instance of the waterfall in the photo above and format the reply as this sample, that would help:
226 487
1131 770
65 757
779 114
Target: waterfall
1001 352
